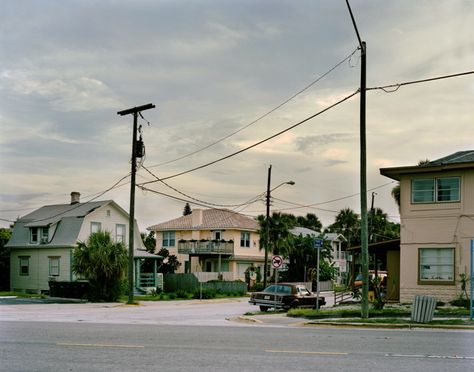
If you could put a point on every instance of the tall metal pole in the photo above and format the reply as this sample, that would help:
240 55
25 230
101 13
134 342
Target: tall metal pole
363 175
267 228
131 223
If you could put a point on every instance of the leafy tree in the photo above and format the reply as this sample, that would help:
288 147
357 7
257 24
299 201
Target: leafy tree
187 210
303 255
170 262
347 223
396 195
380 228
5 235
310 221
279 231
103 262
149 241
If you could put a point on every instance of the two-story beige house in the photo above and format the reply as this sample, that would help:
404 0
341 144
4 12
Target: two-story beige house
43 241
437 224
216 241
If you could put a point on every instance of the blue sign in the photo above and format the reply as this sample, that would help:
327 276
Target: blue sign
318 243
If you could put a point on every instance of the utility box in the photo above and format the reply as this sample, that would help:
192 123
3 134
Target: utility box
423 309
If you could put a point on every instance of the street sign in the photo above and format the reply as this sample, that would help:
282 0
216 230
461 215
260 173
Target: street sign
318 243
277 261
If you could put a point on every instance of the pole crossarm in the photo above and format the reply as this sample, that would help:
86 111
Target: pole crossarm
134 110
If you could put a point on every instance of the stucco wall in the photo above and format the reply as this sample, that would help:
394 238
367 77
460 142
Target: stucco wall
248 252
435 225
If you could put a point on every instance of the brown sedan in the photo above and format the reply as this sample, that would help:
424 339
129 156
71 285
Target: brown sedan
285 296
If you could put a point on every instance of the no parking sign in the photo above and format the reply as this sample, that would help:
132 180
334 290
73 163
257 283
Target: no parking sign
277 261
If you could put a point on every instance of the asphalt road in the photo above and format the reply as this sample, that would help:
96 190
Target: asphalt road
206 336
44 346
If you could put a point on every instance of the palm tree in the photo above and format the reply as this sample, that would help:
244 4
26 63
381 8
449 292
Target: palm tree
347 223
103 262
396 195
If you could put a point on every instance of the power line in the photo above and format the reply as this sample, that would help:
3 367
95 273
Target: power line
313 205
398 85
89 201
259 142
260 117
184 200
192 198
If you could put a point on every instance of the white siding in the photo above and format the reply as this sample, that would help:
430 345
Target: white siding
37 279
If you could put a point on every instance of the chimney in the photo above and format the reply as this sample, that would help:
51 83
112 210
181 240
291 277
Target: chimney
196 217
75 197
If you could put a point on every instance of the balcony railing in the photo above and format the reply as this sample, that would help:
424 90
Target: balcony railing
205 247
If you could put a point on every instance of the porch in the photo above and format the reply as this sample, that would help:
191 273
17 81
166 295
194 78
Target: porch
206 247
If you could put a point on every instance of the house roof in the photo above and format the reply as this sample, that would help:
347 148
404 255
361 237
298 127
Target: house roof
335 237
209 219
141 253
303 231
68 217
458 160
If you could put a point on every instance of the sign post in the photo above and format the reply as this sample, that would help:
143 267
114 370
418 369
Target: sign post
277 261
318 244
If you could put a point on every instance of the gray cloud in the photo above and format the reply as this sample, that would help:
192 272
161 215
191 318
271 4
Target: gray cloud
212 67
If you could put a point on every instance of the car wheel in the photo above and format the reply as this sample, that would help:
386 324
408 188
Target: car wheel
264 308
294 304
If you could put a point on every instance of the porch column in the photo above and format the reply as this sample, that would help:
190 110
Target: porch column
154 273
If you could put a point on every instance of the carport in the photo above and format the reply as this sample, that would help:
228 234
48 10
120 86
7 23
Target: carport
382 256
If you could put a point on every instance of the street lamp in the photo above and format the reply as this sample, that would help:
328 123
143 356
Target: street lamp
267 226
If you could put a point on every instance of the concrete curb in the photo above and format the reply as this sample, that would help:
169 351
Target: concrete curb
388 326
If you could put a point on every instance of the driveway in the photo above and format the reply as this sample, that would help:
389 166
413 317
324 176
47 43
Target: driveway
185 312
189 312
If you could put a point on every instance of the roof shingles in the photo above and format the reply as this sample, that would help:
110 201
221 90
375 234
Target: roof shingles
211 219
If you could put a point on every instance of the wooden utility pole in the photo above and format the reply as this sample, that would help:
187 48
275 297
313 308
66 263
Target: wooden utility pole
135 111
363 175
267 228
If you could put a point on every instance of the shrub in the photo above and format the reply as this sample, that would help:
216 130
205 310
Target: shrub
182 294
460 302
172 296
206 294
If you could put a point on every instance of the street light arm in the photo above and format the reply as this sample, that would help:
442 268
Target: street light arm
283 183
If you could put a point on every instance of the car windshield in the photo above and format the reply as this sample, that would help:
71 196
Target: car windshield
278 289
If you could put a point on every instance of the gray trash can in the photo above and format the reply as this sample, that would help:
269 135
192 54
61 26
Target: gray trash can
423 309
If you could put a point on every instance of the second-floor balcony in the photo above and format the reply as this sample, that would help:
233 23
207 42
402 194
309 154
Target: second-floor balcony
206 247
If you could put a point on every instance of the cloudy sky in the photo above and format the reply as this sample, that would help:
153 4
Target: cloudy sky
211 68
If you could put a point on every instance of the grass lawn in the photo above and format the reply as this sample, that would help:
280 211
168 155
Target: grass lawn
21 294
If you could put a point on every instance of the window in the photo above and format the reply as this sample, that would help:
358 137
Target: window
44 235
95 227
39 235
34 235
245 239
24 265
54 266
120 233
436 265
168 239
435 190
217 235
